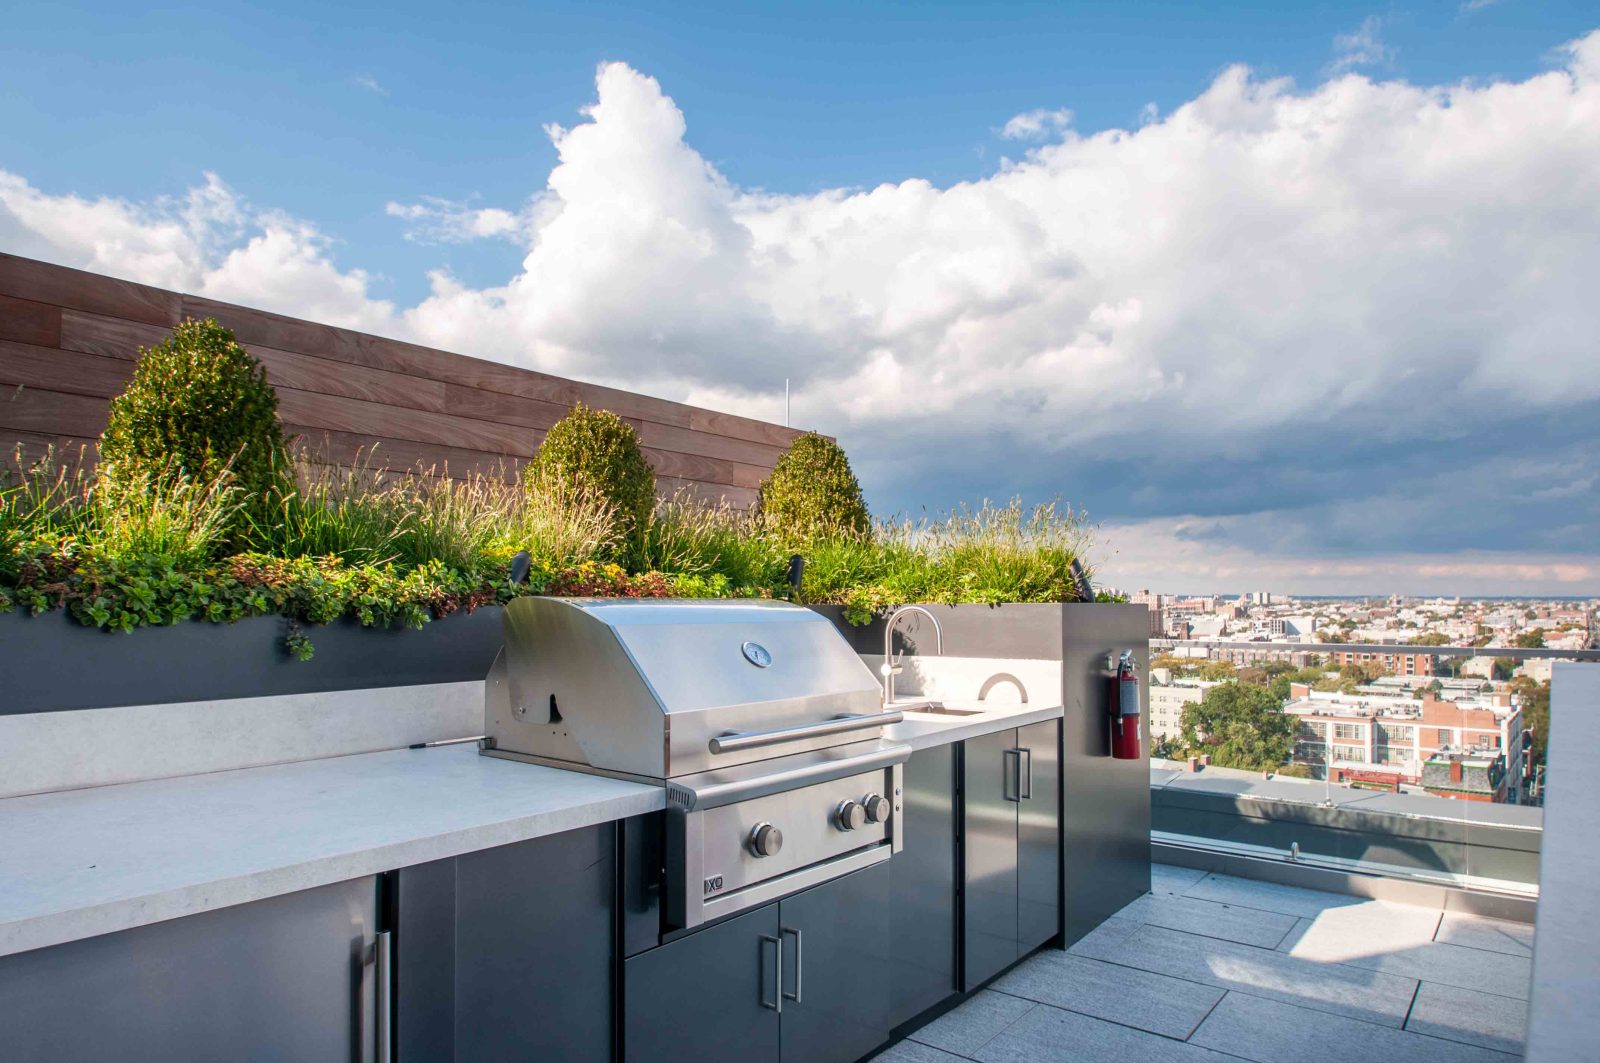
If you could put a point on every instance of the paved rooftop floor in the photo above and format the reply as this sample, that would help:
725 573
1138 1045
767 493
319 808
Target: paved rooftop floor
1209 968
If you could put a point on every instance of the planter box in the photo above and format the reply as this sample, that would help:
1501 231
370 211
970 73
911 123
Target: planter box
53 663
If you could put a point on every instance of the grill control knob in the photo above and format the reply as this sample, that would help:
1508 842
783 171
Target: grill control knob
877 808
849 815
765 839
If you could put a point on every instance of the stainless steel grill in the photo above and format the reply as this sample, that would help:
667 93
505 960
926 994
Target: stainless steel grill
762 724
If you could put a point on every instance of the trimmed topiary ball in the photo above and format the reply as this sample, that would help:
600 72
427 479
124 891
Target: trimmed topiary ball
198 403
812 493
596 455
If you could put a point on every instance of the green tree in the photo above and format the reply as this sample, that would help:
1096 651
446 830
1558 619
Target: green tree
595 454
813 493
1534 697
1530 640
1217 670
1503 667
198 407
1239 727
1431 638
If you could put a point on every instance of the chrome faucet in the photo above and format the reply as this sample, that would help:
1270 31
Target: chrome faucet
890 667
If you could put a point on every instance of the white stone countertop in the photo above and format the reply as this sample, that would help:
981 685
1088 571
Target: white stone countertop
81 863
922 730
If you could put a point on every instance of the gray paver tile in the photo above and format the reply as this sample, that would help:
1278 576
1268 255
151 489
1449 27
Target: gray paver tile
1105 937
1273 1032
1491 935
1248 926
1046 1034
1375 996
1470 1017
1268 896
914 1052
1167 878
1339 935
1153 1002
970 1026
1454 965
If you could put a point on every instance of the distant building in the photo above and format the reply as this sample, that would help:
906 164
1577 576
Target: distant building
1366 738
1474 776
1397 661
1261 653
1168 696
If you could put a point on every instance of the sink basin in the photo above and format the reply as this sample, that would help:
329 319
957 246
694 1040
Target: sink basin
934 708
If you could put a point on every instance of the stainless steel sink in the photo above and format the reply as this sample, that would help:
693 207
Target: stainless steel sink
935 708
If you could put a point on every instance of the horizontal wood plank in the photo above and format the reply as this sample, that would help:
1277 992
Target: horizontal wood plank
26 321
51 413
45 282
57 370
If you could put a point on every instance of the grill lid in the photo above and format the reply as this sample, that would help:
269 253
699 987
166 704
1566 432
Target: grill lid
643 686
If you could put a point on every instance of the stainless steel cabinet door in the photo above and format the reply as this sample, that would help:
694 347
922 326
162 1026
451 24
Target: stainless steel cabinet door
989 836
837 1002
284 979
922 877
708 997
1039 835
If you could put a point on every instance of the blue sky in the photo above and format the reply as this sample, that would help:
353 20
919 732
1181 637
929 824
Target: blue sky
329 111
1285 295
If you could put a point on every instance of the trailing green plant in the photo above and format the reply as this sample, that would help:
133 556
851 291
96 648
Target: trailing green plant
596 454
812 494
198 406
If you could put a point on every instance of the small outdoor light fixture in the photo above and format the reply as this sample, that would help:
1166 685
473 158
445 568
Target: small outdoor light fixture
797 571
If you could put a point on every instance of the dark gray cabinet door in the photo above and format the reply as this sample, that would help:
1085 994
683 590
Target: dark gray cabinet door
922 918
989 837
836 978
287 979
534 949
1039 835
707 997
508 953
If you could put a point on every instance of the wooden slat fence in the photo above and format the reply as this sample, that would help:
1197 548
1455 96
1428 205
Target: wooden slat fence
68 341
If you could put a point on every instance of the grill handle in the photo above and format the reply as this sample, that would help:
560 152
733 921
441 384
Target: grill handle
739 741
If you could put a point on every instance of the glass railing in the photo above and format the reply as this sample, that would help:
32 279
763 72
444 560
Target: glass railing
1434 778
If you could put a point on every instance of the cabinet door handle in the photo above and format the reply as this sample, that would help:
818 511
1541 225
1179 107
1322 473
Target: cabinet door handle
385 996
776 1003
1025 776
1011 778
799 964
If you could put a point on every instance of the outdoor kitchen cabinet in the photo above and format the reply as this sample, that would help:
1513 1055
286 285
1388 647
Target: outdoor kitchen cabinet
1011 847
287 978
802 980
507 953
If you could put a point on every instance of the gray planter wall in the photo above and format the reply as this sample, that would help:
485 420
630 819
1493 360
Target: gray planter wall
52 663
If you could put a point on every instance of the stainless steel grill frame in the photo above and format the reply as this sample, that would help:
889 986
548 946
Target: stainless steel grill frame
749 713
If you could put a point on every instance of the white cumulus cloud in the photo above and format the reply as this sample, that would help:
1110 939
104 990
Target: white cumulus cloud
1036 124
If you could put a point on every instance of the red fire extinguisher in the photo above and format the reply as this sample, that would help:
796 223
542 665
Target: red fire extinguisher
1125 709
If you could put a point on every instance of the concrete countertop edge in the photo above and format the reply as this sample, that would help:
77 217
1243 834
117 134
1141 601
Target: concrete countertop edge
43 929
66 925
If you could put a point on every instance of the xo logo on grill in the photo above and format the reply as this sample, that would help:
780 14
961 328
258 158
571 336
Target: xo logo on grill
713 885
756 654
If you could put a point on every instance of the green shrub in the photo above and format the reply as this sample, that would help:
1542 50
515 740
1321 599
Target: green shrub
813 494
595 454
198 406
